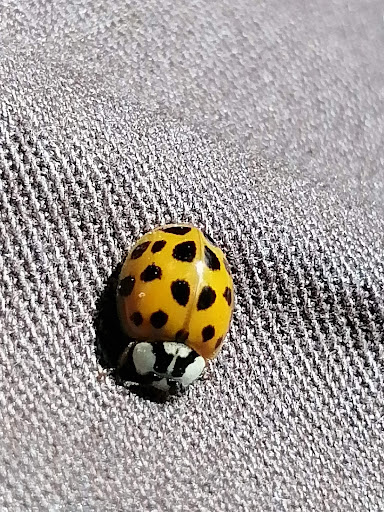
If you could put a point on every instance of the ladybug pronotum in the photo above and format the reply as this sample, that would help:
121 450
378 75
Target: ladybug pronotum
175 299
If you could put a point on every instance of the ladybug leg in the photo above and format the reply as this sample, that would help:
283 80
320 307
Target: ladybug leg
102 375
207 373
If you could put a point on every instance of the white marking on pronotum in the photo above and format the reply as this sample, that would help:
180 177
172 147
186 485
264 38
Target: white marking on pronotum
193 371
143 358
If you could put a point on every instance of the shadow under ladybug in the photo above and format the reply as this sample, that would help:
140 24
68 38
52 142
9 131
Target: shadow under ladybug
110 340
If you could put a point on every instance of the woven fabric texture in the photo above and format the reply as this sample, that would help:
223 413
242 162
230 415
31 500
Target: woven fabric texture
262 123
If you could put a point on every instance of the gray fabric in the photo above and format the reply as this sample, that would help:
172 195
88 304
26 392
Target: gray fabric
262 123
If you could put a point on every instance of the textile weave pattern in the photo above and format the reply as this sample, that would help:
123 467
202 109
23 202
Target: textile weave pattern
263 125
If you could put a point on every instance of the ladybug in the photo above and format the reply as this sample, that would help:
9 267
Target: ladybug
175 300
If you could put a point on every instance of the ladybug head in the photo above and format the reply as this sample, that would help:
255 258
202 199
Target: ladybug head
165 365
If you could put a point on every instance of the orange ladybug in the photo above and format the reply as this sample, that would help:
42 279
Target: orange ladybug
175 299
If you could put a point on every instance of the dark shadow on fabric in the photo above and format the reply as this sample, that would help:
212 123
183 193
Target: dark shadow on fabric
151 394
110 340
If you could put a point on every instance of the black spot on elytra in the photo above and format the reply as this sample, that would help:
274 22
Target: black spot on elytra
211 260
219 342
177 230
208 332
186 251
181 335
136 318
228 295
180 292
126 286
206 298
139 250
157 246
150 273
158 319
